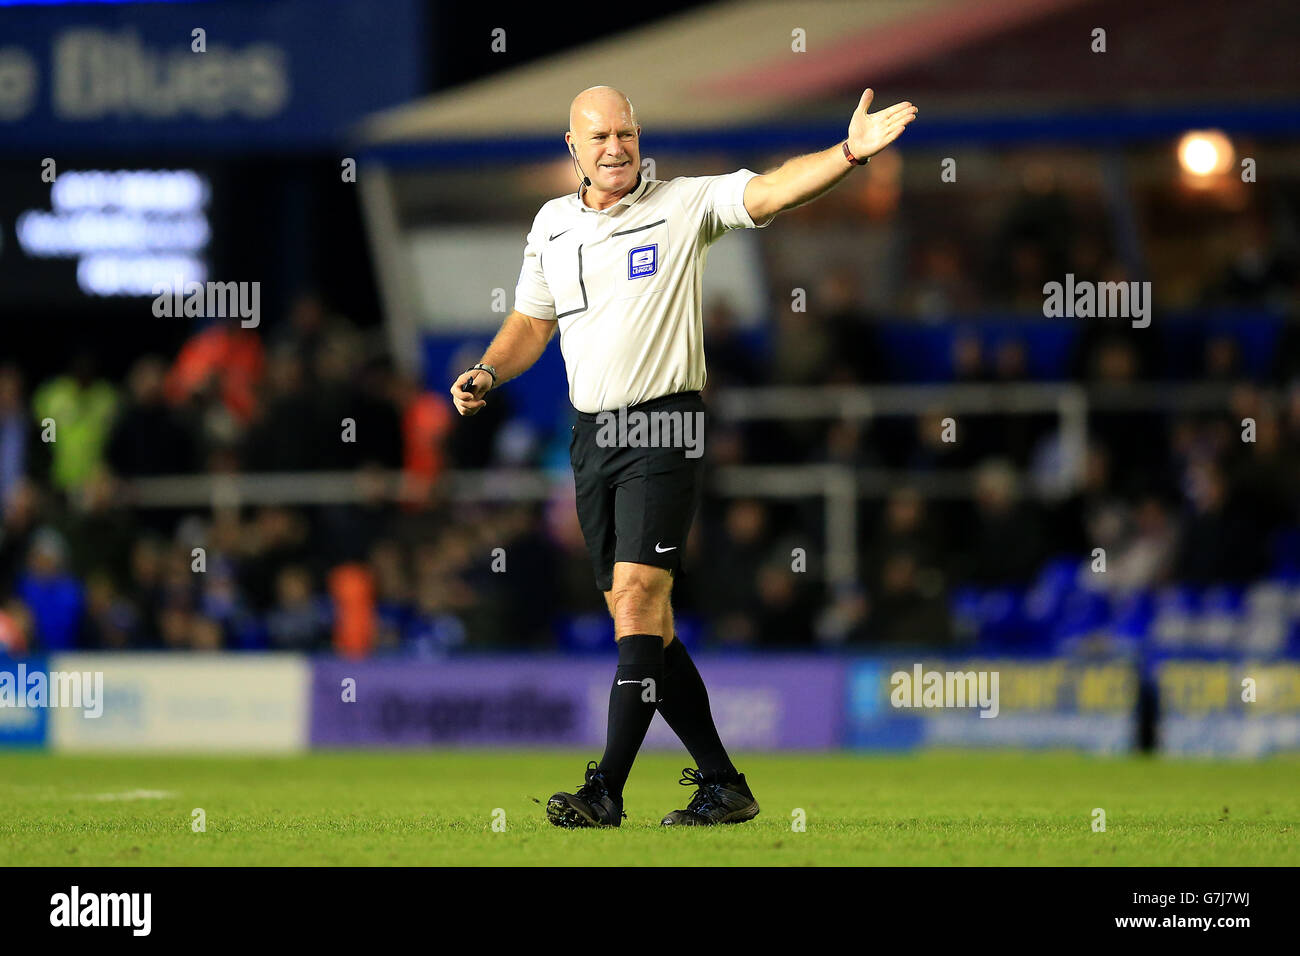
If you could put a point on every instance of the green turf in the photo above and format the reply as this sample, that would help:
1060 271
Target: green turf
437 807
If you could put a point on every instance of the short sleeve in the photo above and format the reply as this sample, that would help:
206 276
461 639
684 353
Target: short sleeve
718 203
532 294
728 200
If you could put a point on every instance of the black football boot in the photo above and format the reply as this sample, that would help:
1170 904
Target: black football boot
592 806
717 800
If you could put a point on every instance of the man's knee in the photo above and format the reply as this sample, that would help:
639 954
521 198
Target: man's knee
640 592
639 596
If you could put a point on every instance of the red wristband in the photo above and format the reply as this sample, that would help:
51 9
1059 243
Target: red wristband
853 160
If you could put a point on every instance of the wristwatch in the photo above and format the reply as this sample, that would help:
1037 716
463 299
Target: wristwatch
487 368
853 160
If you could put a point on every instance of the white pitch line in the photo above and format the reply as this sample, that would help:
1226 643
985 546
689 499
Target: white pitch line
128 795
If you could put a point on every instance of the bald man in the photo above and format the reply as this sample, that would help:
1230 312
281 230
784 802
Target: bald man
617 267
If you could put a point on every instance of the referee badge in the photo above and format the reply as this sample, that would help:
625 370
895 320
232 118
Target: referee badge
643 261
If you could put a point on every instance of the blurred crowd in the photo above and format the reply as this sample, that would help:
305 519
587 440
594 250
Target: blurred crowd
1172 496
1176 497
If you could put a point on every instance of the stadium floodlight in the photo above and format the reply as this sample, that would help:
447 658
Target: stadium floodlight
1205 152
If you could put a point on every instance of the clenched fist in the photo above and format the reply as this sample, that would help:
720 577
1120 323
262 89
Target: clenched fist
467 394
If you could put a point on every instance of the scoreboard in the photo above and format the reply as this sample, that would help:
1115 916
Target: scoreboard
72 235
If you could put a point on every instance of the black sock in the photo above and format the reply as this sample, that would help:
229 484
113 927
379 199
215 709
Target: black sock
685 708
631 704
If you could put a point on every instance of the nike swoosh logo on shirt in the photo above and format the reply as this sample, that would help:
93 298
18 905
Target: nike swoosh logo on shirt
664 550
558 234
629 682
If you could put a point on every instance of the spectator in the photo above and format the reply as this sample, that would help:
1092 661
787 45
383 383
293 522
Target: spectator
1013 434
1261 272
300 619
909 604
393 602
144 589
968 359
804 349
905 593
333 422
281 436
742 548
1005 545
1127 434
99 530
1214 546
942 285
55 598
79 408
942 443
23 511
857 354
225 359
1263 483
23 455
905 527
15 628
147 438
277 537
785 607
426 421
379 424
111 622
433 628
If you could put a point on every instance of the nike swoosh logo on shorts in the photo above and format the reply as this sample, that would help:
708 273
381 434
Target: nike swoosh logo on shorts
664 550
629 682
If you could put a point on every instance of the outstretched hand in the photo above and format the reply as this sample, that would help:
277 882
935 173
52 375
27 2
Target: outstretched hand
869 133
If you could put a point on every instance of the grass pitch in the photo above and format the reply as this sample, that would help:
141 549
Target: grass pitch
437 808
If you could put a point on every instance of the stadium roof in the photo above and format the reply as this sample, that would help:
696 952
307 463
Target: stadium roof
732 67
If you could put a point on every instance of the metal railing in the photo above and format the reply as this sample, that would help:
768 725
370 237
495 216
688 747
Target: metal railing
840 486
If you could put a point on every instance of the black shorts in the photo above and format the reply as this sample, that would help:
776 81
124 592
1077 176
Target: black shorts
636 497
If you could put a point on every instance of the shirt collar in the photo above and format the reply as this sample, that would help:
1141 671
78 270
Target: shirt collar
633 195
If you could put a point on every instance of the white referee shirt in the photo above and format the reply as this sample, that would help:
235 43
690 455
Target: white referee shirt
625 284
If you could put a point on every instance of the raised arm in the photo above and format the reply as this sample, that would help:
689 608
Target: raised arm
804 178
518 344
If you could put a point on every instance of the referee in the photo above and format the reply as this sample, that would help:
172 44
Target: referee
617 267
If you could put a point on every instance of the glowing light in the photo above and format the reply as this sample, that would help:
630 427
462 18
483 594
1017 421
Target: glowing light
1205 152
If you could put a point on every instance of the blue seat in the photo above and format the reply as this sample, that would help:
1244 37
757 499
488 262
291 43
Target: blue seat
1082 613
1002 624
1133 614
1176 610
1058 579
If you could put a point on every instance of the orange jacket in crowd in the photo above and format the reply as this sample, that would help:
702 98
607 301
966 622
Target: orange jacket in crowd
426 420
227 352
